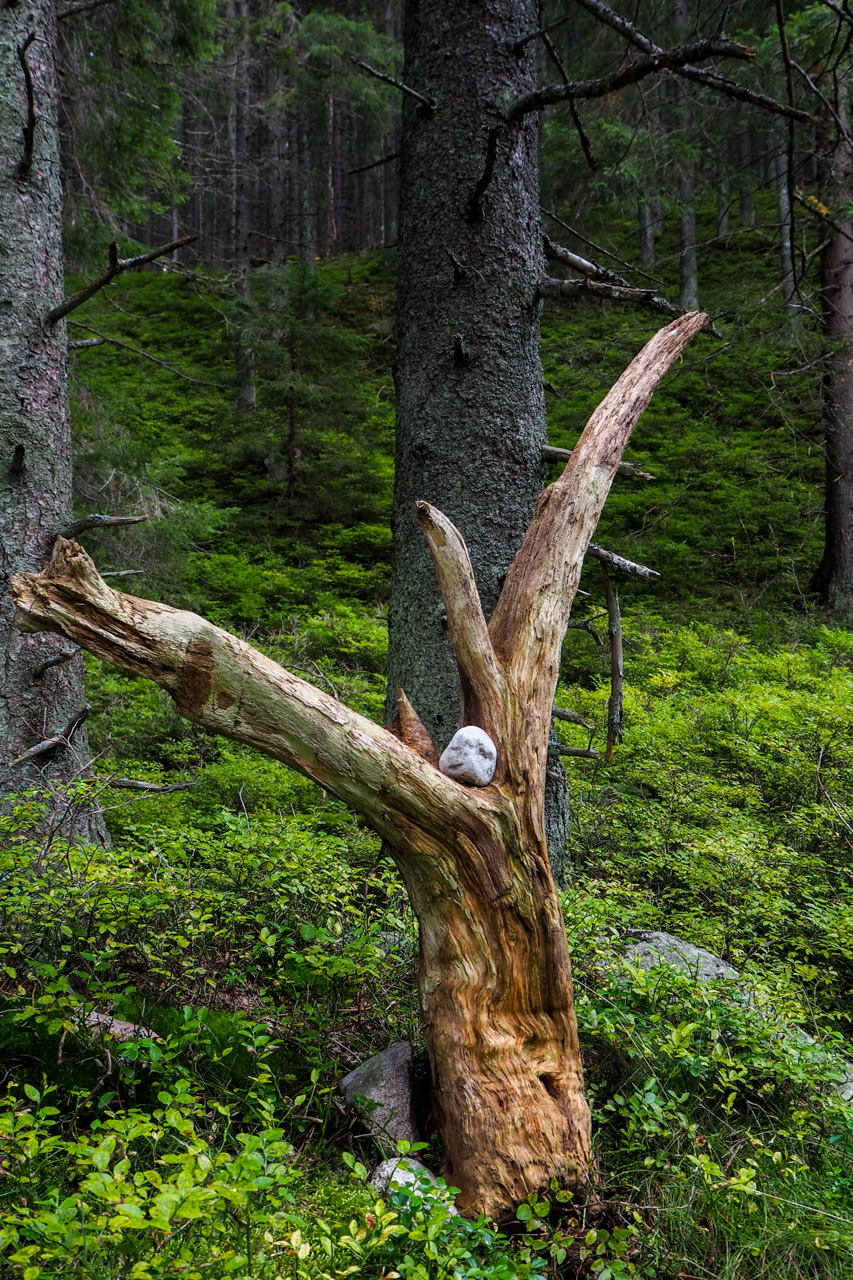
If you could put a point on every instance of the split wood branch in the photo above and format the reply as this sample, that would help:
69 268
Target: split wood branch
121 573
529 621
609 559
626 470
481 678
65 655
426 103
29 129
116 267
223 684
617 664
95 521
58 740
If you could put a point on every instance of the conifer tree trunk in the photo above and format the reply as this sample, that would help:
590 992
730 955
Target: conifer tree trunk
834 578
470 400
37 701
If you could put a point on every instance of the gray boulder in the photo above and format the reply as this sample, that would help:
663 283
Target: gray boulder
380 1091
649 949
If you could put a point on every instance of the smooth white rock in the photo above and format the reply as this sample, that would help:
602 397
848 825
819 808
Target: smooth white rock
470 757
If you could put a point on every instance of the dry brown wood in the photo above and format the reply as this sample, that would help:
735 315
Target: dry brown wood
494 974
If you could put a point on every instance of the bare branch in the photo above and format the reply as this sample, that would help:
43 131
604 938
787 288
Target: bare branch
609 559
146 355
426 103
96 521
121 573
559 290
617 664
681 56
563 713
82 8
59 740
374 164
701 75
599 248
85 343
150 788
557 253
626 470
582 753
482 680
116 267
29 129
520 45
64 656
223 684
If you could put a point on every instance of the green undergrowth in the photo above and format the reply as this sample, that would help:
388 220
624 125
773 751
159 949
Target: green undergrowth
253 931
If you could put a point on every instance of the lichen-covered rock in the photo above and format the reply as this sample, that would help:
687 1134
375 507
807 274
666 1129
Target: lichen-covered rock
649 949
470 757
384 1082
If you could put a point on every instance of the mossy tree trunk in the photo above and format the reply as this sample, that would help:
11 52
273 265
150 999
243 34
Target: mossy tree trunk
494 973
37 701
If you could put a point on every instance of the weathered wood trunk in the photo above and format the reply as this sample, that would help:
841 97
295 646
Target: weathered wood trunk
494 974
35 437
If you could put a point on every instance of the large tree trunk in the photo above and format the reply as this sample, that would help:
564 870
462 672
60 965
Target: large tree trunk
834 578
240 131
470 400
37 701
494 973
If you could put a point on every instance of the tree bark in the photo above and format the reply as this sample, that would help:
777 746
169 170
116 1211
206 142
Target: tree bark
494 973
240 127
35 437
834 577
470 402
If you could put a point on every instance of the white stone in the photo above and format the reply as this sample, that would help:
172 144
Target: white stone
470 757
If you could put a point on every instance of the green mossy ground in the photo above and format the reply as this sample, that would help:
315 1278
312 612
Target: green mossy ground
253 925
